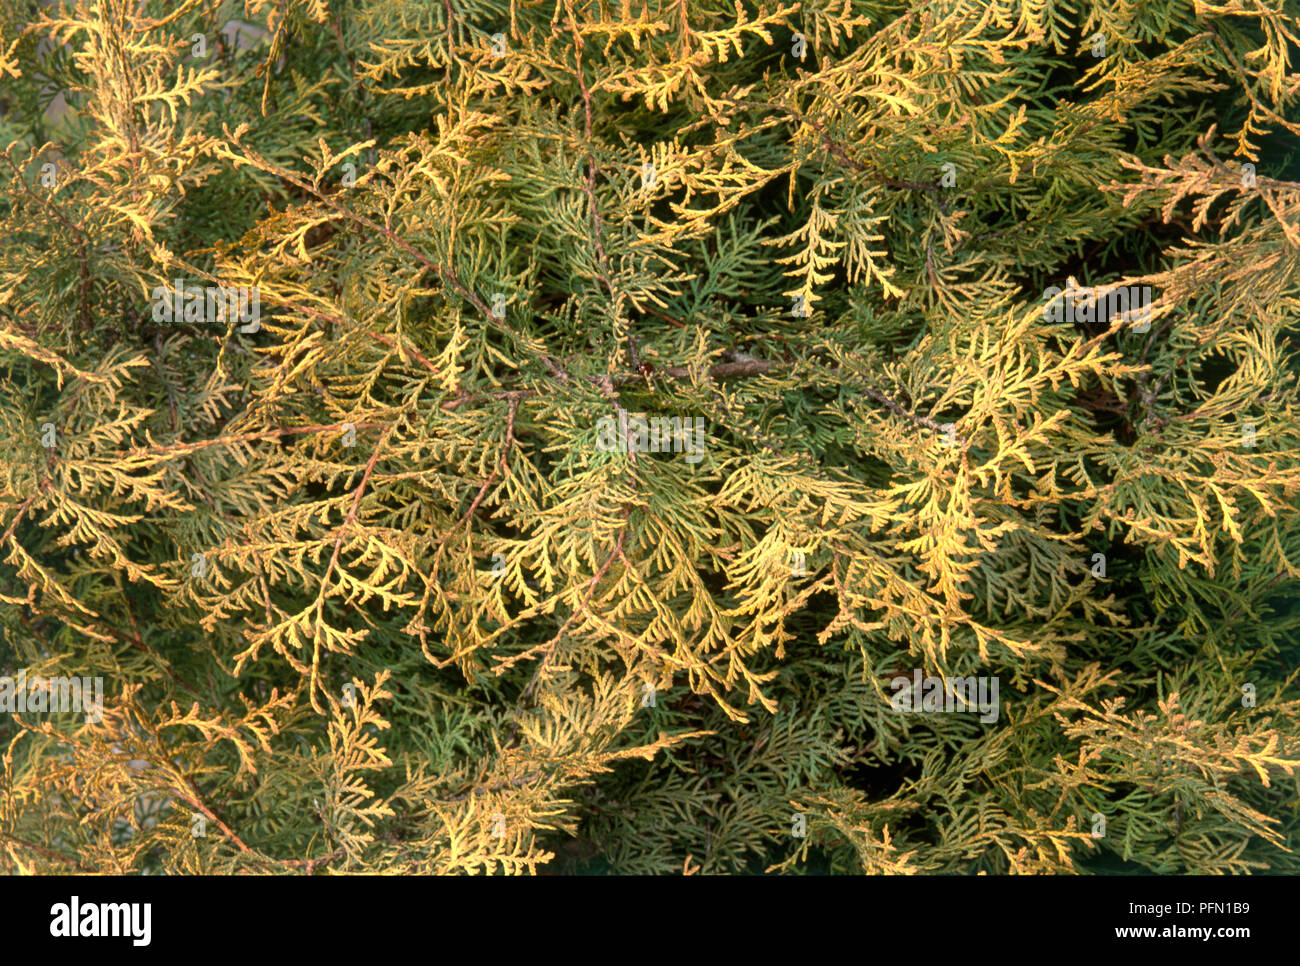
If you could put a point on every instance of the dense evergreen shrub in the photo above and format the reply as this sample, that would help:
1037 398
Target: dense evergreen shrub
475 436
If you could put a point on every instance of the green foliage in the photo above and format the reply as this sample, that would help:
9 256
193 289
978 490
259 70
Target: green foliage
368 587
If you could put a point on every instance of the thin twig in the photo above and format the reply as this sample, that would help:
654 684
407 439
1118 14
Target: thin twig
45 852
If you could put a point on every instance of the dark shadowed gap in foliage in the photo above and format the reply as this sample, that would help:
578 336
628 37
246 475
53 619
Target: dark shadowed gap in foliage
1125 564
1108 863
1212 371
881 779
817 612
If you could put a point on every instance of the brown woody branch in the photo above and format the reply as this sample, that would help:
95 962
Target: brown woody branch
46 852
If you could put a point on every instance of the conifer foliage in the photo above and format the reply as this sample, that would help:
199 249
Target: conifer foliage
486 436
